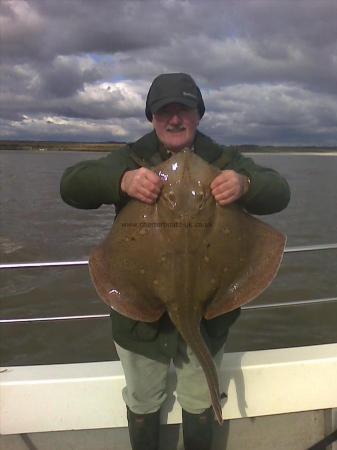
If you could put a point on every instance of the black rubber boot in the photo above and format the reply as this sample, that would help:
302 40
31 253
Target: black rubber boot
144 430
198 430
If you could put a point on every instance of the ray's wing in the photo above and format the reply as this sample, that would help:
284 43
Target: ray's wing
123 266
245 260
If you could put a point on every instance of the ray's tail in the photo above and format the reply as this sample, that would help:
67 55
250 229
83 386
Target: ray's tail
192 336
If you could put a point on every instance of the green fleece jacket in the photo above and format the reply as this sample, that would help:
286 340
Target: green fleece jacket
89 184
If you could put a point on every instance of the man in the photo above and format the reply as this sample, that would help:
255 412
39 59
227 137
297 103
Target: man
175 106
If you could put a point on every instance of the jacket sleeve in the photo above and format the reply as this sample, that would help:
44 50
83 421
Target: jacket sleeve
268 193
89 184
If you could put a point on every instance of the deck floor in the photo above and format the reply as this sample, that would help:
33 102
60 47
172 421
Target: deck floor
296 431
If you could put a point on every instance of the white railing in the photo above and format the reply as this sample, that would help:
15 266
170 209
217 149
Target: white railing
88 395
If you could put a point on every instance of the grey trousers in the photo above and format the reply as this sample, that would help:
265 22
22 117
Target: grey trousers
146 381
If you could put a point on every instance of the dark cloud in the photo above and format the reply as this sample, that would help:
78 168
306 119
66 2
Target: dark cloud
267 68
65 76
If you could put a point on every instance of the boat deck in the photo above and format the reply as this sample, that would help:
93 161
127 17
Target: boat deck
296 431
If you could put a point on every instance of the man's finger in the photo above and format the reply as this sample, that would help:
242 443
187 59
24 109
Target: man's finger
145 199
218 181
224 195
224 177
223 187
227 201
147 193
151 186
153 177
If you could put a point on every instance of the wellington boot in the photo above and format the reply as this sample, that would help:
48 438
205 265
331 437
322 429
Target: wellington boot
144 430
198 430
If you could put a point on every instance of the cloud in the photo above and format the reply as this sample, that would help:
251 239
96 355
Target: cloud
267 70
65 129
281 114
66 75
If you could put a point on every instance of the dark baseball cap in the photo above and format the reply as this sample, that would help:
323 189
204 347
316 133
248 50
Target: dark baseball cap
173 88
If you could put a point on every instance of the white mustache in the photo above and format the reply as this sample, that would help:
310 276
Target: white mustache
175 129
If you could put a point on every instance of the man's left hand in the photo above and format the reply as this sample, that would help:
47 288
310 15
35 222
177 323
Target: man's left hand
229 186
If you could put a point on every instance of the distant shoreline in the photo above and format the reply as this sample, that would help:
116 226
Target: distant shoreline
60 146
44 146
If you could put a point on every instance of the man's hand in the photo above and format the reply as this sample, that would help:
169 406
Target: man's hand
142 184
229 186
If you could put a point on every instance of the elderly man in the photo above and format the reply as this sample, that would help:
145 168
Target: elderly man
175 106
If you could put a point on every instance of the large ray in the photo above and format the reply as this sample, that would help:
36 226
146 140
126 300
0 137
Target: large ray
186 255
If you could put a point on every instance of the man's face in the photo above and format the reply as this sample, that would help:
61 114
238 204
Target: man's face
175 125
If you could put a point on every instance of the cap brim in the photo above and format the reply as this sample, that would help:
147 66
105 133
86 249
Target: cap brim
166 101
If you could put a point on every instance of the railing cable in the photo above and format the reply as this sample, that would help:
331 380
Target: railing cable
303 248
100 316
104 316
291 303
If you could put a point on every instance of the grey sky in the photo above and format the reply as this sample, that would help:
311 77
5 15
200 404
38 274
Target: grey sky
80 69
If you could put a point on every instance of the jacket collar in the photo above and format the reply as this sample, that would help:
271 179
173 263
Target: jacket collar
149 149
206 148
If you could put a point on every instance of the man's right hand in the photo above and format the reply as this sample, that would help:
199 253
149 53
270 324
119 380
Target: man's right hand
142 184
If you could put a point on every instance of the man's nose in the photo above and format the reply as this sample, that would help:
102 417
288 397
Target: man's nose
175 118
